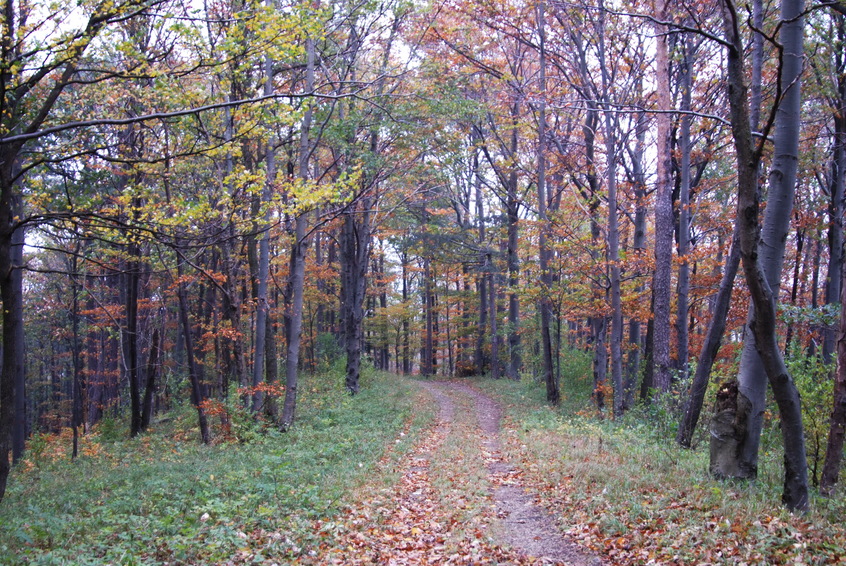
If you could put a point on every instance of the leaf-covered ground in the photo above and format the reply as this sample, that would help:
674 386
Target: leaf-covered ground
625 491
405 473
446 507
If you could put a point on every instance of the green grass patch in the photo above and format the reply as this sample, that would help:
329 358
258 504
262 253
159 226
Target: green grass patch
163 498
627 491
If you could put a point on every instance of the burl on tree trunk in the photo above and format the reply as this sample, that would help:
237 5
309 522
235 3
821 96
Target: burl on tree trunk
731 413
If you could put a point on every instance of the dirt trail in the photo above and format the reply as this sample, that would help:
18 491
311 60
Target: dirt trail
526 527
445 509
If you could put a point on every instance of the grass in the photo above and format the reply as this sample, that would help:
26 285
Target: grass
627 491
621 488
163 498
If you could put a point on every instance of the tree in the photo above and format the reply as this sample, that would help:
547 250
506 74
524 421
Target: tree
761 270
661 282
297 262
553 393
31 83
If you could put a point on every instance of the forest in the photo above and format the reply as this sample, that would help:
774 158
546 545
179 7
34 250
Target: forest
631 211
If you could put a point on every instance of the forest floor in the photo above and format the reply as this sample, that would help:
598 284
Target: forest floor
446 508
407 472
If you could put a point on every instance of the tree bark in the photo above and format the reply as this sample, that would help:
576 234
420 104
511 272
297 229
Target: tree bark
263 273
683 247
662 278
297 263
355 250
755 263
553 393
428 366
838 182
194 378
129 337
496 371
19 431
837 427
481 359
406 326
613 234
722 301
512 209
150 385
76 354
633 365
11 294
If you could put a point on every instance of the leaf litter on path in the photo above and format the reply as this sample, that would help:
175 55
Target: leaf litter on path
437 514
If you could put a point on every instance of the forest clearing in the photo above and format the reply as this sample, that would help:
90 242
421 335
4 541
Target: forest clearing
381 481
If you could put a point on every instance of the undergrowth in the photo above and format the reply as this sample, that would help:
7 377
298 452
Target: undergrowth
163 498
626 490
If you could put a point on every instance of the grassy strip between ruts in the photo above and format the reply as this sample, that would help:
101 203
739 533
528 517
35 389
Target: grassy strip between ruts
164 499
625 490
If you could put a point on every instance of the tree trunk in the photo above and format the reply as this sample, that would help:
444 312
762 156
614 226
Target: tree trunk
837 427
481 359
633 366
406 326
19 431
427 365
496 371
835 206
11 294
596 322
613 234
150 385
752 376
355 250
76 354
297 263
683 248
194 378
758 265
297 274
722 301
129 336
263 273
662 278
794 290
553 393
512 209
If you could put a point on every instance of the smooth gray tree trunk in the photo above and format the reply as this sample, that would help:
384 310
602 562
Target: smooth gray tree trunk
722 301
752 375
297 263
759 262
